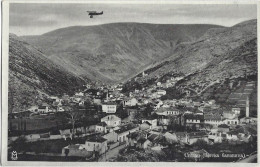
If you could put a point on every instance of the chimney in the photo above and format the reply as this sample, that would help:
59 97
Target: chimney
107 96
247 107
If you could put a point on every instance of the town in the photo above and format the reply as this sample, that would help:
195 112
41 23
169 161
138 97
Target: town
106 123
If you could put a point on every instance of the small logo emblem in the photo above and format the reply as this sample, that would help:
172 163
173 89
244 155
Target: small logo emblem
14 156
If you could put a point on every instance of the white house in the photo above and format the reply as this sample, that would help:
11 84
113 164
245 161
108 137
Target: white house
96 143
101 127
109 108
130 102
111 120
60 109
33 108
213 119
233 121
195 136
124 131
79 94
81 103
193 119
55 98
167 111
43 109
236 111
232 136
215 137
161 92
229 115
97 100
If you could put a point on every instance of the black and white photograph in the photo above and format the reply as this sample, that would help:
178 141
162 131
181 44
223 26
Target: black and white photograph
130 82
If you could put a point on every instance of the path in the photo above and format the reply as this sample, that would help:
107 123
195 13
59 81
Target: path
111 153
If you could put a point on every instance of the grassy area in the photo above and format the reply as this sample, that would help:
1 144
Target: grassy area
45 146
26 157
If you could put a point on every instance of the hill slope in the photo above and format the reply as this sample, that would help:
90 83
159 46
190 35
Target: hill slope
222 56
113 52
31 74
193 56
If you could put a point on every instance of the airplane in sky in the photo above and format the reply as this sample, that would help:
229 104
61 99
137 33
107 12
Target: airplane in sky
92 13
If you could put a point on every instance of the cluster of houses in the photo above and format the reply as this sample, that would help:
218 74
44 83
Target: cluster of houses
201 120
152 133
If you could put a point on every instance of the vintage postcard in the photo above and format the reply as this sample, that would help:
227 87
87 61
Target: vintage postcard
103 82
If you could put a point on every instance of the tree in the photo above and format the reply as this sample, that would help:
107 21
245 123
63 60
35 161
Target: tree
147 111
73 117
201 144
172 123
121 112
19 144
67 152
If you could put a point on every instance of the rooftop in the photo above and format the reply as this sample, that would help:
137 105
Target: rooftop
147 123
162 109
152 137
125 128
141 140
96 138
223 126
197 134
180 134
42 107
192 116
74 146
212 117
103 124
111 118
109 103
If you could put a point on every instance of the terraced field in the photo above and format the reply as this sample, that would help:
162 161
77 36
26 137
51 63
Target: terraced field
239 96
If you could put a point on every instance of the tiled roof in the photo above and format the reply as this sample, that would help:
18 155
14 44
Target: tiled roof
102 124
133 135
152 137
162 109
42 107
223 126
125 128
96 138
111 118
180 134
141 140
109 103
73 146
212 117
146 122
192 116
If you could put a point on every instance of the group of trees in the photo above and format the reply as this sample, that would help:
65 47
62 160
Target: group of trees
146 112
174 124
172 93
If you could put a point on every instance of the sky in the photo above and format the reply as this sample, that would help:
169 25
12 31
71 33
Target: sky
36 19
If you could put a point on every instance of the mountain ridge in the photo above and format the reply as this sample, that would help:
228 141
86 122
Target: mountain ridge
111 52
32 75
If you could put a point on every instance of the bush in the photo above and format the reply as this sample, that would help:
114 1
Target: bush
19 144
201 144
